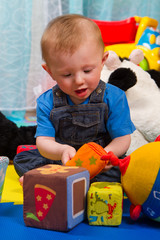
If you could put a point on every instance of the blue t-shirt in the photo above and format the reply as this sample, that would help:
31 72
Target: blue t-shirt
119 122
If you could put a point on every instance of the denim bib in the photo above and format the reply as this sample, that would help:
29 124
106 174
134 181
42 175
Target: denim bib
76 125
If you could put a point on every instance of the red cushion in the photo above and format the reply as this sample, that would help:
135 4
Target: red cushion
22 148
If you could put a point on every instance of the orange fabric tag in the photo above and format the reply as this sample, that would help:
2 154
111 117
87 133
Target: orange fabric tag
89 157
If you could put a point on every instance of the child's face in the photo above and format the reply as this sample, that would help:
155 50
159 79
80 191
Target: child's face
78 75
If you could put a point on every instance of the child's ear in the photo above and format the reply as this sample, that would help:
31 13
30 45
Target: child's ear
105 56
46 68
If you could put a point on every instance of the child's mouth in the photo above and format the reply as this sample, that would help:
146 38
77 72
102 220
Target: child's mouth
81 92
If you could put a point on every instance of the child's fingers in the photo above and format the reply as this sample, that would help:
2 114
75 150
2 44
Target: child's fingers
107 168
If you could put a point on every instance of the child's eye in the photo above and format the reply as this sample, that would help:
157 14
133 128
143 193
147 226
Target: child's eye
87 71
67 75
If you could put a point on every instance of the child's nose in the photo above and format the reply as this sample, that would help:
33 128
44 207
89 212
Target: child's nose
79 78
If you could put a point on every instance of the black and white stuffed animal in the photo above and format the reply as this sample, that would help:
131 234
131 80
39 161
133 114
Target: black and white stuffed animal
142 89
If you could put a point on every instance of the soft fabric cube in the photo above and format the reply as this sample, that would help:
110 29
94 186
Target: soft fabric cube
55 197
4 161
104 205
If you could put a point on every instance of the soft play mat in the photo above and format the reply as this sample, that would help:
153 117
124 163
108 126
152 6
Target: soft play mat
12 224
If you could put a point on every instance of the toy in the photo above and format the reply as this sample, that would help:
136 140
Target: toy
114 32
89 157
136 32
143 95
149 43
55 197
141 179
104 205
4 161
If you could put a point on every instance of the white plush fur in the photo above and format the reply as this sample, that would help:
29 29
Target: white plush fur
144 102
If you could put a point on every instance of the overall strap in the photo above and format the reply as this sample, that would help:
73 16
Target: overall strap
98 93
59 97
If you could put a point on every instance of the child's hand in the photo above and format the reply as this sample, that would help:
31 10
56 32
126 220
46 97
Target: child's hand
107 167
68 154
112 161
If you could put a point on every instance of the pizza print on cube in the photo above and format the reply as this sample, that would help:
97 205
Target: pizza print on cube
44 197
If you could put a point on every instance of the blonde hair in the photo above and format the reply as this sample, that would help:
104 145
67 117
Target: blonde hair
65 34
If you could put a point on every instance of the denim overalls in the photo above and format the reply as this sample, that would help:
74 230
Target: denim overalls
74 125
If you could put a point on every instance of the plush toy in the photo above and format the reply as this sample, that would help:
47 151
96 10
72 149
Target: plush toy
141 179
89 157
143 95
55 197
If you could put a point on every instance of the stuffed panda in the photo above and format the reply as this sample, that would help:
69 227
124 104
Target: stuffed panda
142 91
